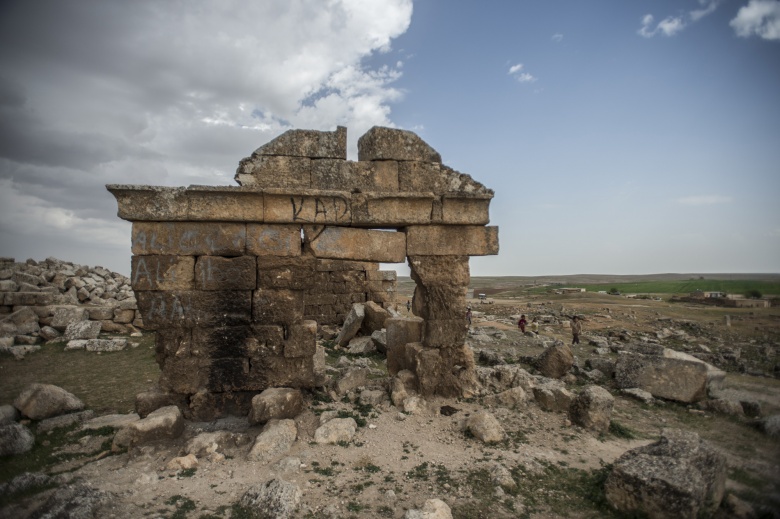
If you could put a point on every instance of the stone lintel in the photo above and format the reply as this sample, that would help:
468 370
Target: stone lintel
465 209
358 244
139 203
162 272
188 238
451 240
391 210
310 206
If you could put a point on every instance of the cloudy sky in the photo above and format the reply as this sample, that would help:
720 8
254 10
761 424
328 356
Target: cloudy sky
620 137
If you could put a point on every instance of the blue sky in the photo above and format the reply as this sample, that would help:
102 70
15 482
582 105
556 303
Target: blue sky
619 137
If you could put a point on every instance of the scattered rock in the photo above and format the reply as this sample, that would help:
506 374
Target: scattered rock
678 476
275 499
352 379
555 361
64 420
166 422
639 394
552 396
275 403
336 430
82 330
15 439
183 463
274 441
592 409
74 501
361 346
39 401
8 414
432 509
485 427
501 476
352 324
510 398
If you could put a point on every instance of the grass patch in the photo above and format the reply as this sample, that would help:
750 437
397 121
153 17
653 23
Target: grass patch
621 431
184 505
114 378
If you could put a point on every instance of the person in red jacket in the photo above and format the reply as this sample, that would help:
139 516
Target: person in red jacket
521 323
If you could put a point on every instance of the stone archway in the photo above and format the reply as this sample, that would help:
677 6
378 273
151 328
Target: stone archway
234 279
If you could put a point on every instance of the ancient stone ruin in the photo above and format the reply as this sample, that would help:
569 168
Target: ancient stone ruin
235 279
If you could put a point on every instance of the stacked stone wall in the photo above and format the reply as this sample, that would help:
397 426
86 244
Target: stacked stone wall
235 279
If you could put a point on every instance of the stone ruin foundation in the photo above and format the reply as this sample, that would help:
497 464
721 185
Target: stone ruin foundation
234 280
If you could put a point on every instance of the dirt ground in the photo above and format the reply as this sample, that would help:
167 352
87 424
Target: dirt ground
398 461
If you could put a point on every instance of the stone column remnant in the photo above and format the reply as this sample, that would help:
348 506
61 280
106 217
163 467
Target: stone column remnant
235 279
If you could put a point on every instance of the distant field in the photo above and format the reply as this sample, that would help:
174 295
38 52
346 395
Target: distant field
661 287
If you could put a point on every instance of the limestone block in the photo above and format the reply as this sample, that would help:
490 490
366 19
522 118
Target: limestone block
296 372
438 302
166 422
228 374
435 178
401 331
465 210
148 401
302 341
219 273
434 240
189 308
220 342
224 204
669 378
188 238
556 361
184 375
352 324
375 317
275 403
382 275
485 427
277 306
397 209
39 401
153 203
205 406
335 431
117 344
123 316
381 143
592 409
357 244
378 176
27 298
444 333
162 272
100 313
273 240
274 172
295 273
333 265
170 342
267 340
82 330
275 440
307 207
308 143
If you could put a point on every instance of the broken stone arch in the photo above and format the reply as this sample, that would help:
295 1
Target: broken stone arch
235 279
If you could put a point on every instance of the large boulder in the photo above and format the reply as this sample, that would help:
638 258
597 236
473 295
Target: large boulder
66 315
275 403
39 401
555 361
335 431
275 499
164 423
82 330
553 396
679 476
592 409
485 427
432 509
676 379
15 439
275 440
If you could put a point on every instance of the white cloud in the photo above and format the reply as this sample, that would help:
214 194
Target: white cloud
557 37
759 17
519 75
150 92
672 25
699 200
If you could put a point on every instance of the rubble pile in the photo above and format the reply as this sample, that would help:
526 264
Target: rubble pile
54 300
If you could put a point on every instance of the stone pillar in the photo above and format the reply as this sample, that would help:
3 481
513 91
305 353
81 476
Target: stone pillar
444 365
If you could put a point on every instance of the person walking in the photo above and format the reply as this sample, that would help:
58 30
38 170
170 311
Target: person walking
408 306
535 326
521 323
468 316
576 329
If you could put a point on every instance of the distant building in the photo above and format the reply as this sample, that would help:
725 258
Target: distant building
708 295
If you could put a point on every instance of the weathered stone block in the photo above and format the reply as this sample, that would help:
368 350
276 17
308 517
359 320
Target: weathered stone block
276 403
592 409
302 341
162 272
224 204
308 143
184 375
275 172
435 240
398 209
267 340
188 238
190 308
228 374
172 342
444 333
308 207
273 240
437 302
673 379
339 175
296 273
400 332
357 244
27 298
221 342
330 265
152 203
100 313
218 273
295 372
381 143
277 306
465 210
